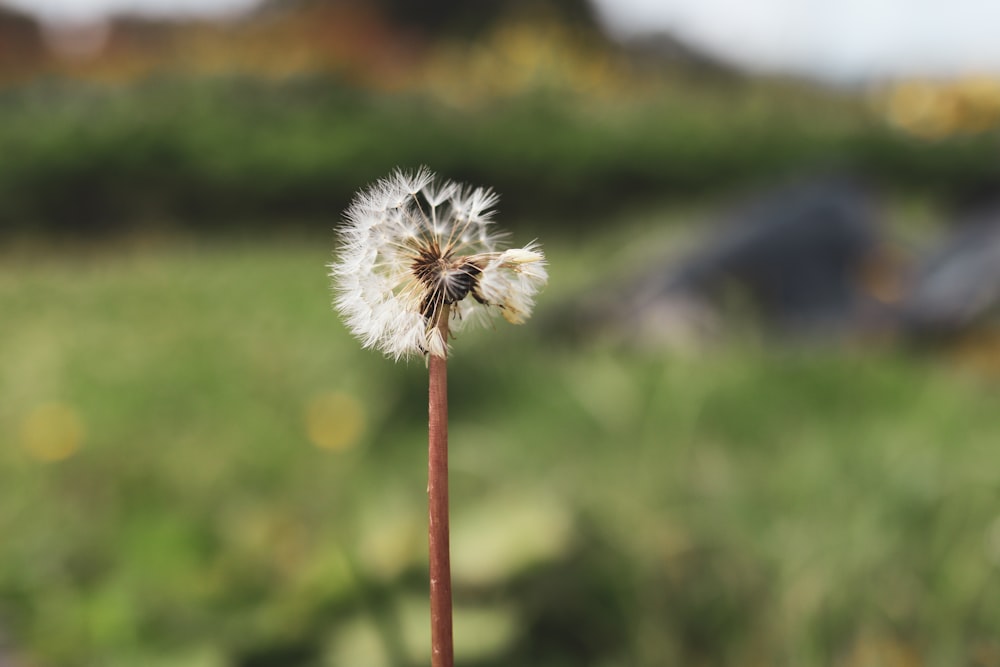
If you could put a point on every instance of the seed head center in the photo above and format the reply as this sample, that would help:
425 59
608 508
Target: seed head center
448 279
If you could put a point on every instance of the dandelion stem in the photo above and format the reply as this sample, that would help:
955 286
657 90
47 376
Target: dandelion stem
442 654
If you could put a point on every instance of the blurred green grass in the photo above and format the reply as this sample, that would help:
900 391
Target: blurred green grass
224 478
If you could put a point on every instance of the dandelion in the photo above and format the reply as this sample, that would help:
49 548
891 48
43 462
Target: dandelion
417 261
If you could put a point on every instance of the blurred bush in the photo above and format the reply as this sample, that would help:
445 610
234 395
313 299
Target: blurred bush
207 153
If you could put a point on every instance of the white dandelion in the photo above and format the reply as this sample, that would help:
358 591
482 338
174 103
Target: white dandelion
417 260
414 252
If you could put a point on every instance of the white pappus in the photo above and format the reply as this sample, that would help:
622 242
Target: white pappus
411 250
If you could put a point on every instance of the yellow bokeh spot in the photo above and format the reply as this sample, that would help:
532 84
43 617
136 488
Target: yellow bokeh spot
51 432
334 421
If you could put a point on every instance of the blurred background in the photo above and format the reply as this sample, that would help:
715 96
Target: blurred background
754 420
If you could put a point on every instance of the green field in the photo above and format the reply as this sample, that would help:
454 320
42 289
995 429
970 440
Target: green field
202 469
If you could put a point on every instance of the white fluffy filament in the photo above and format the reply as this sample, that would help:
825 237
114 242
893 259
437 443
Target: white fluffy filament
409 246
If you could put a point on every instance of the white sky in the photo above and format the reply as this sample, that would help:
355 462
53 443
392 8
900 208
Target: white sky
833 39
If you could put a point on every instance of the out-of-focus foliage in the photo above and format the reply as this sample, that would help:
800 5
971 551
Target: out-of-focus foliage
288 110
379 45
221 477
84 159
463 19
936 110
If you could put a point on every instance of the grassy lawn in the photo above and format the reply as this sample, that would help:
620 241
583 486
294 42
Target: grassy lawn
202 469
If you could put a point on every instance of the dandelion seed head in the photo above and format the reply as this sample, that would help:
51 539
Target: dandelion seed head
411 249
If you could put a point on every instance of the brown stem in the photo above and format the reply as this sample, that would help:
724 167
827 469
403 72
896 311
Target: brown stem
442 654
